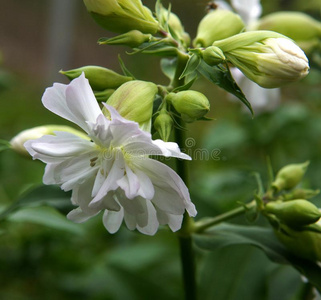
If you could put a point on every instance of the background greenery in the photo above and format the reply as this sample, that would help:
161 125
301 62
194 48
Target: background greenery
44 256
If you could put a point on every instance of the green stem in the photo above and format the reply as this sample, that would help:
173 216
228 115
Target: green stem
185 233
200 226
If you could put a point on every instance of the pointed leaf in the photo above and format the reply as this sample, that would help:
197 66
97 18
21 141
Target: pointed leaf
191 66
168 66
222 77
124 68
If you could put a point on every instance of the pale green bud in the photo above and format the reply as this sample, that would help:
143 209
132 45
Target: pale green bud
17 142
133 39
191 105
267 58
289 176
213 55
304 244
175 26
99 78
298 26
217 25
122 15
300 194
294 213
164 125
134 101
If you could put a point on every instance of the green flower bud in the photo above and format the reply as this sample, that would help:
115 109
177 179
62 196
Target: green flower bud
134 101
289 176
133 39
122 15
191 105
294 213
213 55
17 142
296 25
267 58
300 194
175 26
217 25
99 78
164 125
103 96
304 244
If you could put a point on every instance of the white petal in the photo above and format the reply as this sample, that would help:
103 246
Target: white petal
81 101
171 193
174 221
78 216
171 149
54 99
151 218
112 220
110 184
146 189
129 183
74 171
131 206
52 149
49 176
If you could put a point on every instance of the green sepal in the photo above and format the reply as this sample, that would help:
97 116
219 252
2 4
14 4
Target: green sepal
221 76
124 68
186 86
159 48
191 65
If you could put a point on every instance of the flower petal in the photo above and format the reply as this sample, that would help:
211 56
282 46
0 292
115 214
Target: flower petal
170 149
112 220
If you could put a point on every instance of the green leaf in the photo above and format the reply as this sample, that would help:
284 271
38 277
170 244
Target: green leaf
191 66
124 68
186 86
225 235
46 216
168 67
39 195
221 76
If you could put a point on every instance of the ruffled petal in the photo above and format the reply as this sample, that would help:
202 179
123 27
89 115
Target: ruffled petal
129 183
173 221
115 173
171 193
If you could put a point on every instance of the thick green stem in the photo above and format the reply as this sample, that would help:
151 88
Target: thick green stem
185 234
203 225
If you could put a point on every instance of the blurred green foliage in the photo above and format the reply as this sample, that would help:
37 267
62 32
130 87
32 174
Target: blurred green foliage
44 256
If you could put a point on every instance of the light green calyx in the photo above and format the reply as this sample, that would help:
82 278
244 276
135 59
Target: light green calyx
134 101
99 78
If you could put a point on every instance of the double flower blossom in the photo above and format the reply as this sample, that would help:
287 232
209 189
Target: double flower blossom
109 168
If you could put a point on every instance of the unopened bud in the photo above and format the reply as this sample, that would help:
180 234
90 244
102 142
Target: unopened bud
134 101
133 39
213 55
175 26
267 58
294 213
217 25
298 26
191 105
17 142
122 16
302 243
99 78
300 194
164 125
289 176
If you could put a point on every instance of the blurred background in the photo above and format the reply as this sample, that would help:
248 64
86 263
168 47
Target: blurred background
43 256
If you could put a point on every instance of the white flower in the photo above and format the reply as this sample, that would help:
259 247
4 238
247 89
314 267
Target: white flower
111 170
249 10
